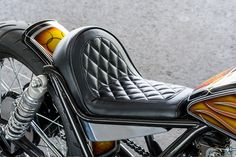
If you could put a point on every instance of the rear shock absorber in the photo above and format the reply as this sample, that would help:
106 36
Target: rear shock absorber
26 108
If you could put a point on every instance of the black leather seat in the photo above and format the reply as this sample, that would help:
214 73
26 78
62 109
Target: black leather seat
104 82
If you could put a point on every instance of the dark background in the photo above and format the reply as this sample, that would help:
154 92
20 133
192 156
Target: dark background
175 41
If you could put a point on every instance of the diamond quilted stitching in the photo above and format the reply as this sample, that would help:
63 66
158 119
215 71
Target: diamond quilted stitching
108 76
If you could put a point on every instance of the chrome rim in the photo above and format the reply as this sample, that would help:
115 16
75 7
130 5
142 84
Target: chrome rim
14 78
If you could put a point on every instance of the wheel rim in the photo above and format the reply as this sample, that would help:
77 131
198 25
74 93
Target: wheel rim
14 78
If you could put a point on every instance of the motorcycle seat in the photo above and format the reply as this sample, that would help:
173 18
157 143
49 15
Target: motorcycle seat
104 82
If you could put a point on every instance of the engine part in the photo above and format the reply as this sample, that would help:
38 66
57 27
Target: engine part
212 144
26 108
219 152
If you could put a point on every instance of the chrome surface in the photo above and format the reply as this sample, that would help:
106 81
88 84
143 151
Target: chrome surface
14 79
220 152
26 107
106 132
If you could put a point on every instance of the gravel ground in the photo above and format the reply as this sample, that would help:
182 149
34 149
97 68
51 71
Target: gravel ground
177 41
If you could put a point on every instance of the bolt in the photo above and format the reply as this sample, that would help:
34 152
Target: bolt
36 82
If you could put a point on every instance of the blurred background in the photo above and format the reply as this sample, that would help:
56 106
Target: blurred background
176 41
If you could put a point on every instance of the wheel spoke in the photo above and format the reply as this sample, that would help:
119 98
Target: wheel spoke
5 86
44 137
14 77
22 75
52 123
49 120
16 74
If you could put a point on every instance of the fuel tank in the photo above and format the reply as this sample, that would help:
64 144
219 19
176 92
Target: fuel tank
214 102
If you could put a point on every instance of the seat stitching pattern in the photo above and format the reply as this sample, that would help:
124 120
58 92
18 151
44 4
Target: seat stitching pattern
110 78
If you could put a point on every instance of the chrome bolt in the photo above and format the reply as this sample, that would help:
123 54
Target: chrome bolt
36 82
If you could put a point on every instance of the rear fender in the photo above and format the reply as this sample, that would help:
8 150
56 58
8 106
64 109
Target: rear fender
43 37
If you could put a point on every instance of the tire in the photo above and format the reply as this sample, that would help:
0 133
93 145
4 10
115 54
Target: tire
11 45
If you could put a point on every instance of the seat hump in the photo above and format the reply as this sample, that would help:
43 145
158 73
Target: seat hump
104 81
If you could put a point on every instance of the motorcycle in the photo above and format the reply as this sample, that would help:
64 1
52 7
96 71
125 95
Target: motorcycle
78 93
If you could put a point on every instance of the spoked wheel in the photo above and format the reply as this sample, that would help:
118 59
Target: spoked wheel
50 132
47 131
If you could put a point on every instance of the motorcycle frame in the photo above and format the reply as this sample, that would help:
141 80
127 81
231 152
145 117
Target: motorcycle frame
60 94
63 96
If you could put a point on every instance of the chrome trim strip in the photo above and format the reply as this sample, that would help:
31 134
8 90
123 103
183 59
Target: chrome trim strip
110 132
